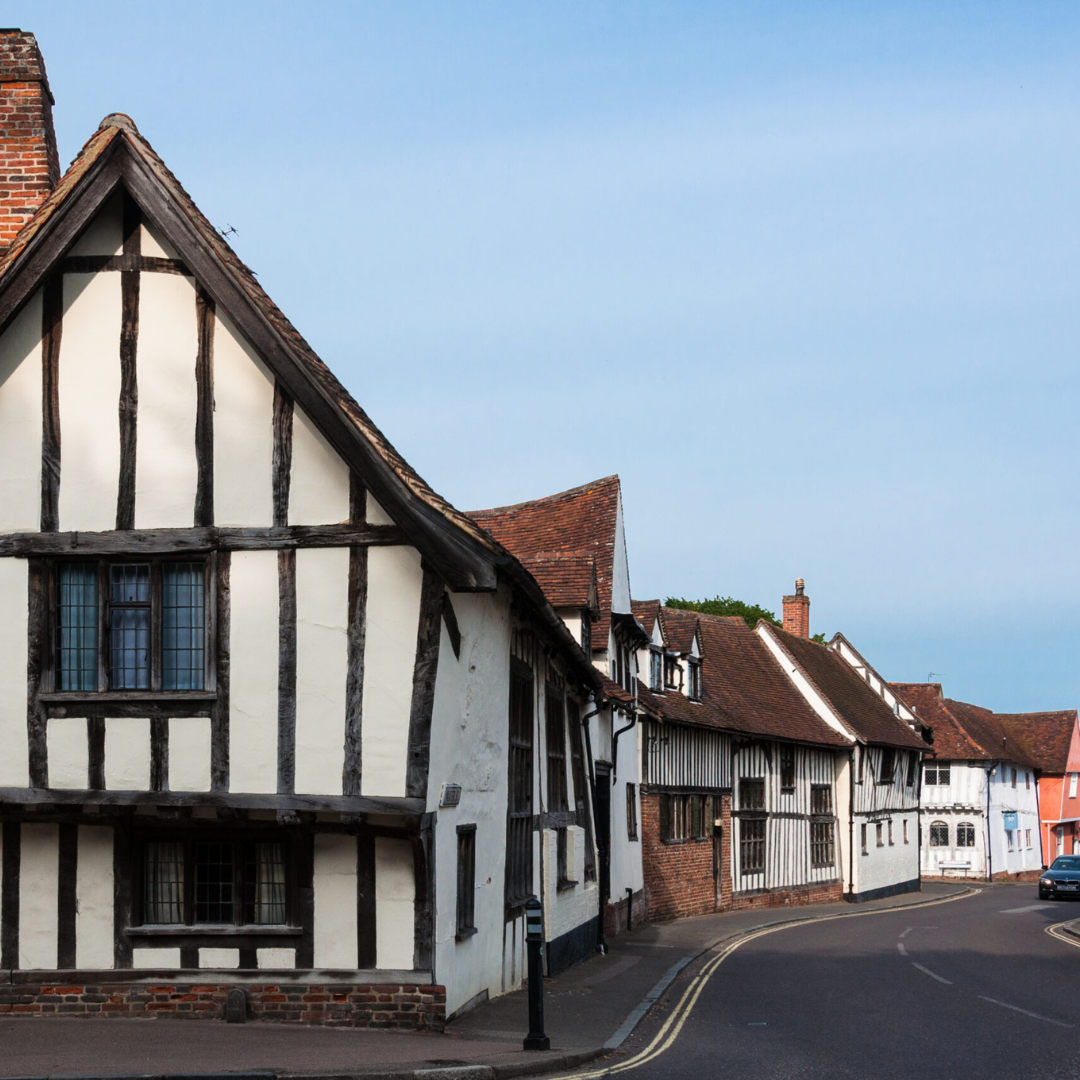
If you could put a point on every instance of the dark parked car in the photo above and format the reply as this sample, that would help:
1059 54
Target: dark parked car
1062 879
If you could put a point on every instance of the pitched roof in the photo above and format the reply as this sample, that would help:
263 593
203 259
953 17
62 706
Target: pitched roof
646 613
679 628
117 153
963 731
568 580
579 521
743 689
856 703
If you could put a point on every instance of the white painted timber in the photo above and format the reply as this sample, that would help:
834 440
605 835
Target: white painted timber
334 884
14 761
69 753
166 472
94 898
127 753
322 611
319 483
20 421
395 899
393 613
105 233
219 958
243 431
253 644
189 753
275 958
155 958
89 387
375 514
39 874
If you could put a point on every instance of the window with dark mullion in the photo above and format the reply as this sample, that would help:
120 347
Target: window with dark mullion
129 626
182 627
466 881
77 627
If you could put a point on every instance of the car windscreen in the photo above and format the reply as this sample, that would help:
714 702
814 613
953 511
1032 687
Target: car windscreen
1066 862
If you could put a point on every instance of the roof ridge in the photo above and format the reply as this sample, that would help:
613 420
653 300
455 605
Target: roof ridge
581 489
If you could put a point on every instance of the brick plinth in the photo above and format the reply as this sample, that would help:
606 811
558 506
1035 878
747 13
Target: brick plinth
395 1006
615 914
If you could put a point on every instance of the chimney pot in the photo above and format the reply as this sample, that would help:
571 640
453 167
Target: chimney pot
797 611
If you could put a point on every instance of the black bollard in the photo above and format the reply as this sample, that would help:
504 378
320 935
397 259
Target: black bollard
534 939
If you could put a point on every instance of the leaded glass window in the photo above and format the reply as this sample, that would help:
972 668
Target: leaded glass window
213 883
965 834
939 834
752 845
182 626
129 644
264 884
163 883
77 627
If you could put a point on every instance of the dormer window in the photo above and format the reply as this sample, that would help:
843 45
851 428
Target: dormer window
672 674
586 633
656 669
695 680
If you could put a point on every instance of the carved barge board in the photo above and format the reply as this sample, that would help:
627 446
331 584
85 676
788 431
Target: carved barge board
52 324
286 781
428 635
205 318
129 386
196 541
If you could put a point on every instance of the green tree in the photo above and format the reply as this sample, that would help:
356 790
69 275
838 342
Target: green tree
728 605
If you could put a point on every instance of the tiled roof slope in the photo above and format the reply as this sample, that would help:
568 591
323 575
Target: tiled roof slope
679 628
645 611
743 689
120 126
568 581
857 704
1045 737
579 521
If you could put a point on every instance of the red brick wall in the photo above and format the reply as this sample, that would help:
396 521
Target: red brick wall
412 1007
29 165
615 914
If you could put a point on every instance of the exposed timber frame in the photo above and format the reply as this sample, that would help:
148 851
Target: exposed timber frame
52 325
425 668
129 383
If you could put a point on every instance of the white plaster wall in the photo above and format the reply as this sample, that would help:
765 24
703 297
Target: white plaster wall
127 754
153 243
189 753
375 514
15 760
94 898
888 865
319 483
565 909
470 710
243 431
39 871
155 958
69 752
253 671
322 612
105 233
219 958
335 901
393 614
20 421
89 386
395 898
166 472
1021 800
275 958
842 765
626 868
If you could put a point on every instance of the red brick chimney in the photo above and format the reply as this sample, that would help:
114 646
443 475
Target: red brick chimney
29 164
797 611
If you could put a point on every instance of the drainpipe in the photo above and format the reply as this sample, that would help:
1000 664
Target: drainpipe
989 840
615 742
851 826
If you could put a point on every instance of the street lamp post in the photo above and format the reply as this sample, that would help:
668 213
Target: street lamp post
534 938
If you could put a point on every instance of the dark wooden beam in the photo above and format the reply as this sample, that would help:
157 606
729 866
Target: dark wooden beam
95 738
365 902
221 646
194 541
9 895
146 264
159 753
52 325
452 629
424 906
356 639
123 916
204 410
286 778
425 668
129 383
282 463
37 643
66 902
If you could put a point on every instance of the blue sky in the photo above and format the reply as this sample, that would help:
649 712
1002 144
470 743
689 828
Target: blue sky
804 275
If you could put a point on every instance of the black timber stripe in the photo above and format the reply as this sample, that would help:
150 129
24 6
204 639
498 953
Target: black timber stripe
286 671
67 890
204 413
129 385
425 668
356 636
452 629
159 754
122 906
37 645
305 897
423 846
9 896
147 264
365 902
282 463
357 500
219 723
95 735
52 325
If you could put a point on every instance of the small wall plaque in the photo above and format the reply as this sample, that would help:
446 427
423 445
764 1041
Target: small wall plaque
451 795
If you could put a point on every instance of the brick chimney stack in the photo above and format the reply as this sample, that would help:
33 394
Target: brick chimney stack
29 164
797 611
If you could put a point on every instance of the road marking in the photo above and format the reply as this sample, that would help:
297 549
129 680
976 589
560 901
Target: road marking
900 946
933 975
672 1027
1026 1012
905 933
1021 910
646 1003
1055 932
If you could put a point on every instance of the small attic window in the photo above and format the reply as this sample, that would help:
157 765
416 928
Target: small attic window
586 633
672 674
695 680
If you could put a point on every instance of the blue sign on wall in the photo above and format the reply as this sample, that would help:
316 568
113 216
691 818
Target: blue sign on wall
1012 820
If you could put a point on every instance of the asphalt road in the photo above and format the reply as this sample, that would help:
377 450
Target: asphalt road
972 988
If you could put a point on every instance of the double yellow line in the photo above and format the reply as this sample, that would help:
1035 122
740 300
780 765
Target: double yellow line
669 1032
1055 931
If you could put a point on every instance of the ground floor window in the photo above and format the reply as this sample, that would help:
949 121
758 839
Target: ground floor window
1009 839
880 838
751 845
683 817
466 880
631 812
822 843
965 834
865 849
939 834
